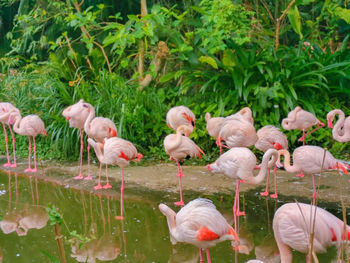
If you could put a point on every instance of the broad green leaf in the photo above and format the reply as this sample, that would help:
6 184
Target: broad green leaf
208 60
167 77
342 13
295 20
228 59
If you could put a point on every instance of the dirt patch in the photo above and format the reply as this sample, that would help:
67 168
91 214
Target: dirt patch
162 177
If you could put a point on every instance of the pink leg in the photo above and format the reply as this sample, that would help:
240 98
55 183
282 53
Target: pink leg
107 185
88 177
239 213
275 195
266 193
302 138
314 190
301 174
99 186
121 217
13 147
35 166
201 260
180 175
80 175
319 126
8 164
29 169
208 256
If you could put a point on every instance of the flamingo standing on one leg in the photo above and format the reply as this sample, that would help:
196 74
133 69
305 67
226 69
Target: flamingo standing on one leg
293 224
180 115
115 151
341 130
200 224
270 137
309 159
238 163
5 109
98 128
77 114
178 146
31 126
299 119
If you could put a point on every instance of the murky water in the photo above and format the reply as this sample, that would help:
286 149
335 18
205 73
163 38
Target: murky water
92 234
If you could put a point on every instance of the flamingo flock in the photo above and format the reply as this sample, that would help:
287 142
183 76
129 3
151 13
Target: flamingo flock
198 222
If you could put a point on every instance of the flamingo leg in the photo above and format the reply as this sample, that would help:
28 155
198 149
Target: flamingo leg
99 186
13 147
80 175
208 256
180 175
35 166
88 177
29 169
319 126
201 260
7 147
122 187
236 211
314 190
107 185
266 193
275 195
302 138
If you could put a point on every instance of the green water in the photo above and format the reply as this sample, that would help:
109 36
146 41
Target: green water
142 237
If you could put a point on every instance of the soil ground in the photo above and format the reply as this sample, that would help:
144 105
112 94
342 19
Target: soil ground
162 177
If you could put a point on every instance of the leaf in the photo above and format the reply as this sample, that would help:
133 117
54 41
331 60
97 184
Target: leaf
208 60
295 20
228 59
342 13
53 259
167 77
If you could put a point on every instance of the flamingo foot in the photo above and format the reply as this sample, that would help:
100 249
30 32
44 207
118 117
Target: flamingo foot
107 186
98 187
7 165
34 170
78 177
241 181
180 175
28 170
240 213
119 217
179 203
266 193
275 195
88 177
13 165
301 175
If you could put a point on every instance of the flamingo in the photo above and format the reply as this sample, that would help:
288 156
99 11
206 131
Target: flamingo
200 224
180 115
178 146
309 159
76 115
270 137
115 151
97 128
299 119
293 224
5 109
31 126
213 126
243 114
238 163
341 130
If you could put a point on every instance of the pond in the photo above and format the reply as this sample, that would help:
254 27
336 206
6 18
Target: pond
93 234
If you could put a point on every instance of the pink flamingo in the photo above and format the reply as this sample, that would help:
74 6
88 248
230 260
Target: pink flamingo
341 130
299 119
178 146
309 159
238 163
270 137
293 224
76 115
213 126
31 126
5 109
200 224
244 114
115 151
97 128
180 115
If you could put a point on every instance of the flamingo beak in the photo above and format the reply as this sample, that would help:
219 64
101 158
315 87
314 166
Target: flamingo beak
68 118
330 124
112 132
277 146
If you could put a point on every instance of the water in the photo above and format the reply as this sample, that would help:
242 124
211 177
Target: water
142 237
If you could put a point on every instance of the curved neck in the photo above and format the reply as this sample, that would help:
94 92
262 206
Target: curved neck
89 119
338 125
176 143
265 164
5 116
98 149
286 163
16 127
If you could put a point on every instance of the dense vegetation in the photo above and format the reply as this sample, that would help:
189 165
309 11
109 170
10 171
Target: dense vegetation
212 56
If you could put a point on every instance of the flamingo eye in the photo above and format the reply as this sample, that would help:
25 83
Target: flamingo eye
84 105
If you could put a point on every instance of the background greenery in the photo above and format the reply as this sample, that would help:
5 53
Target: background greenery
223 55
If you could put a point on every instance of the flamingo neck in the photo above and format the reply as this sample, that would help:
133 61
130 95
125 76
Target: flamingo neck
98 151
16 125
286 163
265 164
89 119
338 125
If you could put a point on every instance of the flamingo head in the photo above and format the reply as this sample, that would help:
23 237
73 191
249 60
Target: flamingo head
329 123
190 120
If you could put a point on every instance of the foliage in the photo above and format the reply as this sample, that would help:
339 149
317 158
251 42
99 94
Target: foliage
54 216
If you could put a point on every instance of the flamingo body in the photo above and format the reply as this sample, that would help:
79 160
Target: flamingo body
245 114
213 124
341 130
299 119
76 114
269 136
180 115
